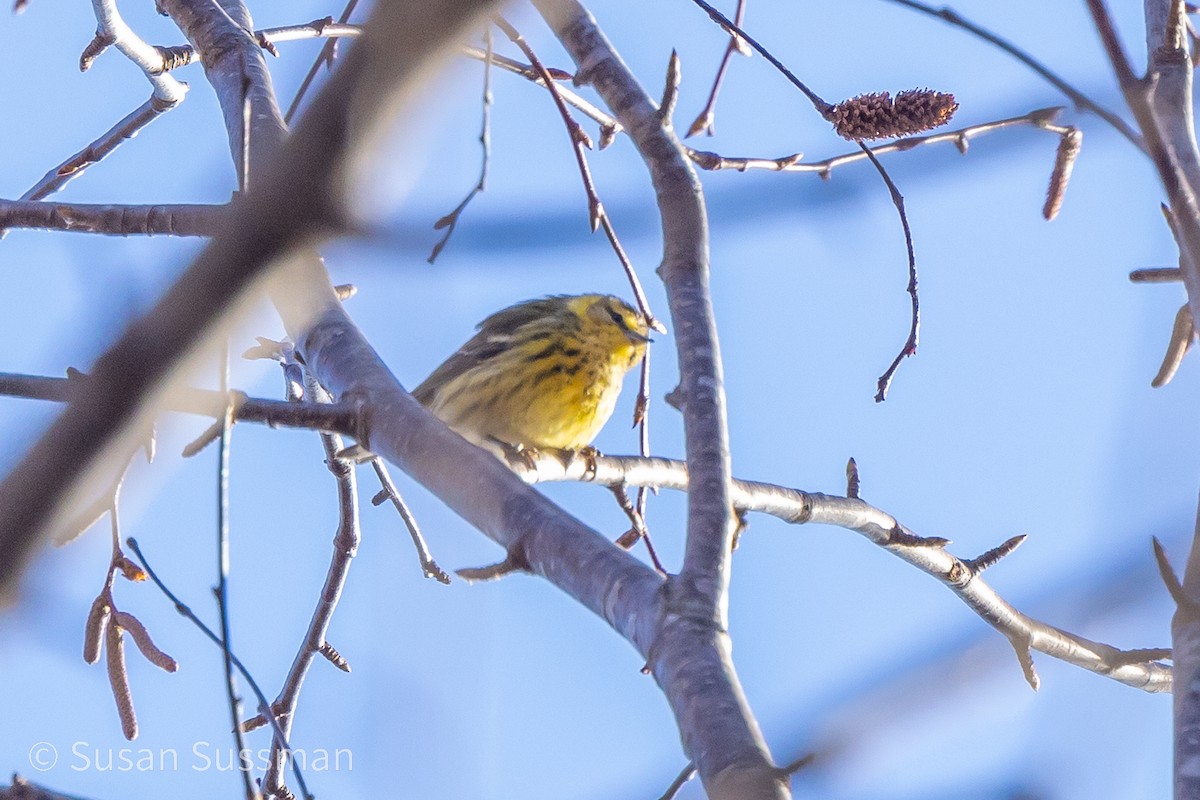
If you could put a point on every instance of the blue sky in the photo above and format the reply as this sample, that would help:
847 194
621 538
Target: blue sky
1027 410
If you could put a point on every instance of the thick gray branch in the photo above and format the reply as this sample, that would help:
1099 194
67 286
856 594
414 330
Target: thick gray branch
691 654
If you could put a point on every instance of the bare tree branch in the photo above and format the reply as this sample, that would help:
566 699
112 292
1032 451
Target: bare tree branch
345 547
1041 118
111 29
1162 104
609 127
113 220
288 208
263 707
123 131
691 648
183 55
961 576
335 418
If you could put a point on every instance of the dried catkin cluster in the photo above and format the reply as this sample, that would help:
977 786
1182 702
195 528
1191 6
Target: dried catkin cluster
878 116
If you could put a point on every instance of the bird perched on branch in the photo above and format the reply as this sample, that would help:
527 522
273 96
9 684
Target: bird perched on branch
540 374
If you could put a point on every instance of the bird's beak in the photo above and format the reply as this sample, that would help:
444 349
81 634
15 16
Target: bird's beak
638 337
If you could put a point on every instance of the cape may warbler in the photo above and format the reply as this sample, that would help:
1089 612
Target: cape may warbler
541 374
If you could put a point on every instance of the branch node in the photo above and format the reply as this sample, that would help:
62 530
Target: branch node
495 571
1022 647
853 484
334 657
99 43
989 558
176 57
266 44
1184 605
899 537
1156 275
670 96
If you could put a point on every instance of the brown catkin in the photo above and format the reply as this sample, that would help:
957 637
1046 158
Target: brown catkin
94 628
1064 162
878 116
118 679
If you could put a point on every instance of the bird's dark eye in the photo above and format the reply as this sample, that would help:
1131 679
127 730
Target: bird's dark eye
617 318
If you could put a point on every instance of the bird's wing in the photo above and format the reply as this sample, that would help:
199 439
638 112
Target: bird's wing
494 337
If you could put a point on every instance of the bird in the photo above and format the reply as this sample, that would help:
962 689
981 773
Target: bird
541 374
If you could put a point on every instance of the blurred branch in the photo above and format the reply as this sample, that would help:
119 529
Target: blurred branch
133 373
22 789
113 220
335 418
961 576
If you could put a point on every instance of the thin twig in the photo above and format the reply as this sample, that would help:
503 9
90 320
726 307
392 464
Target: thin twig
345 546
598 217
429 567
114 137
704 120
182 55
685 775
450 221
326 56
1077 97
822 107
609 127
263 706
1042 118
1156 275
927 554
641 418
222 588
914 328
825 110
112 29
